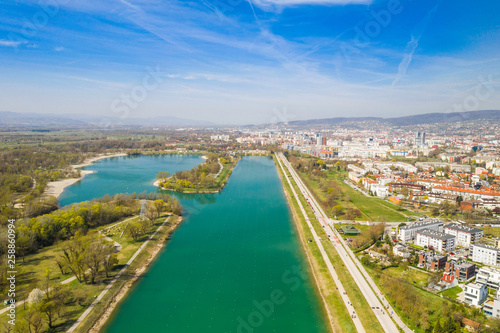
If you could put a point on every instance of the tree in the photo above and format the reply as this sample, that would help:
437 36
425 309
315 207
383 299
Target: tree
134 230
110 263
162 175
96 252
25 244
35 297
34 319
72 258
438 328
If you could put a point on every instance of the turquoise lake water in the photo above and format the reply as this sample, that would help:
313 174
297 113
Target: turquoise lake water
234 265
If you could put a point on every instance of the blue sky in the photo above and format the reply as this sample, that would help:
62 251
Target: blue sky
249 61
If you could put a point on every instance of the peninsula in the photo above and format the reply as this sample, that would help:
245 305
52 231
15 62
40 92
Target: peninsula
208 177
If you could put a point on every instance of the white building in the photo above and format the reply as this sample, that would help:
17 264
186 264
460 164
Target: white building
223 137
435 239
465 235
486 254
400 251
475 293
492 308
380 191
489 276
407 232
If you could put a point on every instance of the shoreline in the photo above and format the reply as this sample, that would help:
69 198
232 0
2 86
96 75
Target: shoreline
301 237
56 188
122 292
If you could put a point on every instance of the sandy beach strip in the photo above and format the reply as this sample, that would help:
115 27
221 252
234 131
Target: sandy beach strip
56 188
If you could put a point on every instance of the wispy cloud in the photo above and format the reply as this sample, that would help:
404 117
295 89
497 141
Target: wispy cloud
413 44
284 3
10 43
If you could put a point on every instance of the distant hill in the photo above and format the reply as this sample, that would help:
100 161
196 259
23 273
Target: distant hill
420 119
10 119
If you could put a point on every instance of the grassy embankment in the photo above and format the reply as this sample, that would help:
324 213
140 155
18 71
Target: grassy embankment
341 318
80 295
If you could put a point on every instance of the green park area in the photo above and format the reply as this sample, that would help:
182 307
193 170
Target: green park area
57 282
208 177
352 204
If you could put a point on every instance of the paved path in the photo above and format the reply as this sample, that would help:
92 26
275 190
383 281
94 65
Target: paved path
117 276
220 170
359 274
331 269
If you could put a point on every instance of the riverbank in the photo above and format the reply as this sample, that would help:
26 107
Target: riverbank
98 320
324 286
56 188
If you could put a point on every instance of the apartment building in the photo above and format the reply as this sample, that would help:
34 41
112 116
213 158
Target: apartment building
407 232
437 240
462 271
489 276
475 293
465 235
485 254
432 262
492 308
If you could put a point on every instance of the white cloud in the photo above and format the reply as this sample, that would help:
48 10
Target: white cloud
4 42
59 49
284 3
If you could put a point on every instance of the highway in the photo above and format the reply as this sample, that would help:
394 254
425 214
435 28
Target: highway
380 307
331 269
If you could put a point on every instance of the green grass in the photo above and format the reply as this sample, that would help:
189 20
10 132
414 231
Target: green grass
491 231
452 292
372 209
367 318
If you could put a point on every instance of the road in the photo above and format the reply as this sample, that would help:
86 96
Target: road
365 283
331 269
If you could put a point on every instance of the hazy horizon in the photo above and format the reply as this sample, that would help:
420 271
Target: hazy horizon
249 62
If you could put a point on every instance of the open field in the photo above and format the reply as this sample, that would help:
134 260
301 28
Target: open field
372 209
491 231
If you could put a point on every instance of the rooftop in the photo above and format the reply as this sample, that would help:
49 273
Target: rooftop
463 228
435 234
485 246
475 285
420 225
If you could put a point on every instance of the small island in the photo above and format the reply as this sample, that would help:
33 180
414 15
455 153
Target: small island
208 177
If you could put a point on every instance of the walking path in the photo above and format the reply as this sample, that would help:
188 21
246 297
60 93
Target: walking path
331 269
360 276
117 276
220 170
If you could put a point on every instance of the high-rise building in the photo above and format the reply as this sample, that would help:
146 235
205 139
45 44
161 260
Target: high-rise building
319 139
420 139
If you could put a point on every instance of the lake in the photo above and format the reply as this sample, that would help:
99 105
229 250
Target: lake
235 263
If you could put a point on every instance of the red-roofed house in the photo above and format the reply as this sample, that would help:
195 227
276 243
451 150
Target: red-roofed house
447 281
